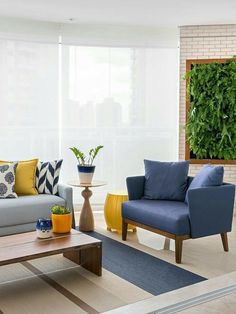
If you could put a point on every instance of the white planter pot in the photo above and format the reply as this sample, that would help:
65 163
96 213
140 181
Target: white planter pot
86 174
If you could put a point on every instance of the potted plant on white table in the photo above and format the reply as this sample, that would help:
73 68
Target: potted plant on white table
85 164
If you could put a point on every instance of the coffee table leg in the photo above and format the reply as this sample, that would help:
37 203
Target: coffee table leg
86 221
90 258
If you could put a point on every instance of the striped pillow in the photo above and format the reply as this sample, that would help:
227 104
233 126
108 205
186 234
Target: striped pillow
47 176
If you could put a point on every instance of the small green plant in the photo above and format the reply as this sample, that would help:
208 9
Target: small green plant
82 159
60 210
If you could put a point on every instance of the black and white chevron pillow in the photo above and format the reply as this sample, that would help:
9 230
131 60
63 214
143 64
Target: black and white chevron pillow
47 176
41 173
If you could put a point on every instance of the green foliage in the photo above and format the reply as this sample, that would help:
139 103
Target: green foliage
82 158
79 155
93 153
60 210
211 125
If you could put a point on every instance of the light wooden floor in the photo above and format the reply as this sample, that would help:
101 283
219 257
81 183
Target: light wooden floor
204 256
192 299
67 288
63 288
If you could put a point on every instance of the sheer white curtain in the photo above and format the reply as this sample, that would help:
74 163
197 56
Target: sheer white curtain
28 100
123 98
56 96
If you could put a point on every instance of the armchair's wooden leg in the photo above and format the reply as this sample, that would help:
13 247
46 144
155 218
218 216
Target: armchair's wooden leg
167 244
124 229
178 249
224 239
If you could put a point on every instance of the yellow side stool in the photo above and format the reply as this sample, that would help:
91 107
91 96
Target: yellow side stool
112 211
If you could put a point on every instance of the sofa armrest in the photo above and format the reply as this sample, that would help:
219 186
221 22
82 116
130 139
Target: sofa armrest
211 210
135 186
66 192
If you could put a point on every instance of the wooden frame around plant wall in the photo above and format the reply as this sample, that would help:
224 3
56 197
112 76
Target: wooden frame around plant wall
189 64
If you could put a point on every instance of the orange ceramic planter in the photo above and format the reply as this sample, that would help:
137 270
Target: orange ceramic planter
61 223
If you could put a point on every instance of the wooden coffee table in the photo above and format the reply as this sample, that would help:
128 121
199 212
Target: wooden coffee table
76 246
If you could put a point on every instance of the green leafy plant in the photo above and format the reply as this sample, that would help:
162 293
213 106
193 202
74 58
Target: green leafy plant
211 120
60 210
80 156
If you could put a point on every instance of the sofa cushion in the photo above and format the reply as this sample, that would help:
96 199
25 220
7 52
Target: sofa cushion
47 176
207 176
27 209
25 177
165 180
170 216
7 180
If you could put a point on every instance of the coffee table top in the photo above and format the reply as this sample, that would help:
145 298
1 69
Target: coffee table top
25 246
87 185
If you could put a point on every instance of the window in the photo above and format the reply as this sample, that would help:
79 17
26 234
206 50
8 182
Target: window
54 96
28 100
123 98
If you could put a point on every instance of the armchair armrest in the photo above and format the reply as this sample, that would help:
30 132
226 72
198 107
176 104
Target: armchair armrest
135 186
66 192
211 209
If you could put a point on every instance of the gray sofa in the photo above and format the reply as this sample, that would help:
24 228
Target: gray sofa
21 214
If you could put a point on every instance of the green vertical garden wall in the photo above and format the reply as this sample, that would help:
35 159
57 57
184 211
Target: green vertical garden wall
211 116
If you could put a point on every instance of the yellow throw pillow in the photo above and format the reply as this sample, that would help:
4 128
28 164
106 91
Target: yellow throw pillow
25 177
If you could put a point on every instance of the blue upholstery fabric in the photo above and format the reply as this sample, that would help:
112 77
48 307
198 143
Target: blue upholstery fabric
211 209
165 180
168 216
135 186
207 176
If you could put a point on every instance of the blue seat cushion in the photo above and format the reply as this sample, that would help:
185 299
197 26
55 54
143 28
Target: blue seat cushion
165 180
207 176
170 216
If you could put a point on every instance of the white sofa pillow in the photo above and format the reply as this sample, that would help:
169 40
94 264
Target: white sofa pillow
7 180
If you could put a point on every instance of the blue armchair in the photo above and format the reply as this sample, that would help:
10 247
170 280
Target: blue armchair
209 211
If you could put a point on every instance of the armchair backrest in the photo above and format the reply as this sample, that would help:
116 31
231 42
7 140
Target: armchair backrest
135 186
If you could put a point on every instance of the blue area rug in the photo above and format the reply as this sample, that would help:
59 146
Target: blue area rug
143 270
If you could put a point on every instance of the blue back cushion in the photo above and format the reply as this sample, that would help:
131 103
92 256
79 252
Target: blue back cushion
165 180
207 176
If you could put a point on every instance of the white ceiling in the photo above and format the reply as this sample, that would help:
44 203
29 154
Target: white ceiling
170 13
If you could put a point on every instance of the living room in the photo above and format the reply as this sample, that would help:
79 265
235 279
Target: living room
118 159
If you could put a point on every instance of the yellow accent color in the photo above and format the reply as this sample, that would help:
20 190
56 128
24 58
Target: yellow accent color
61 223
25 177
112 211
